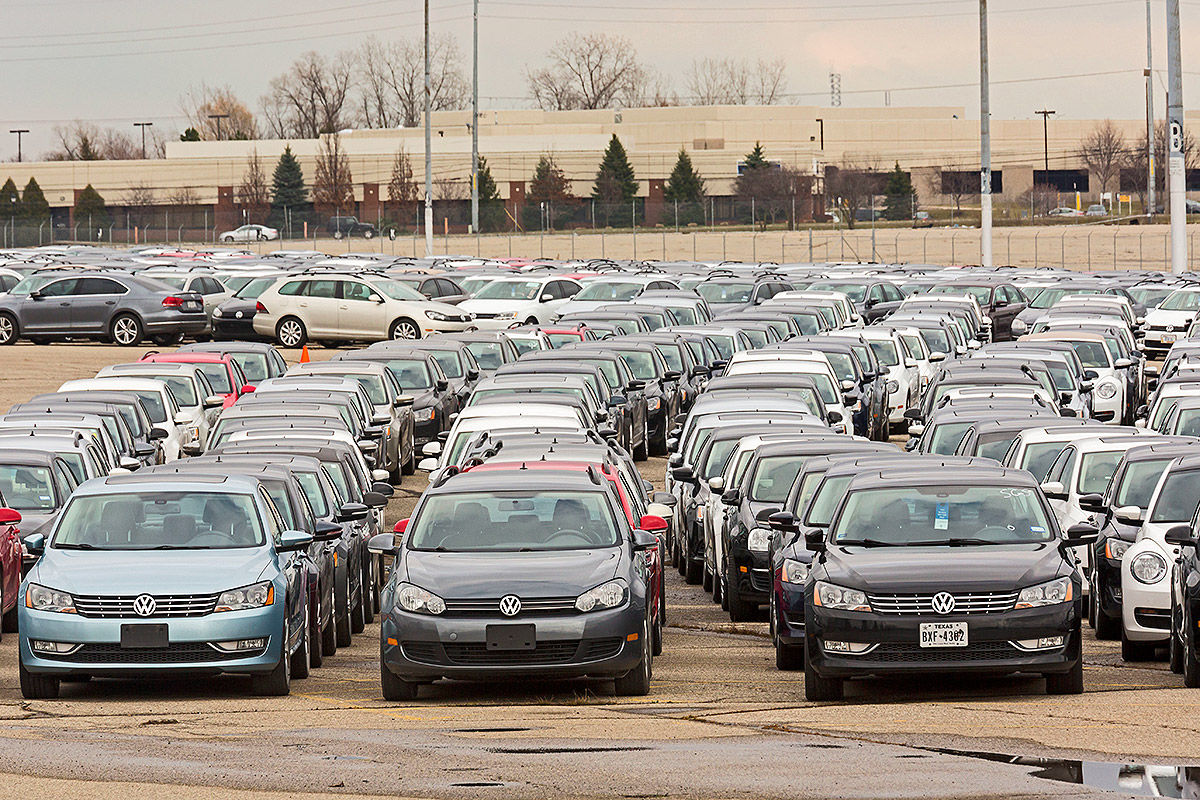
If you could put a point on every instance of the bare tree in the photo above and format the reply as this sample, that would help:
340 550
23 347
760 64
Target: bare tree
1135 168
1102 151
450 189
183 196
957 184
402 189
203 101
732 82
391 83
333 186
851 186
775 190
254 193
1040 198
82 141
588 71
139 200
311 98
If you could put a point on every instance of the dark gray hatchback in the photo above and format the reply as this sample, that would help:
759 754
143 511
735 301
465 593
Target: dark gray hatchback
514 574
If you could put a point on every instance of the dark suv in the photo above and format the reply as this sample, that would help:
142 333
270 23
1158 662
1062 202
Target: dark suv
350 226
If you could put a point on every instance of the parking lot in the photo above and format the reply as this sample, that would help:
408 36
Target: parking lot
720 720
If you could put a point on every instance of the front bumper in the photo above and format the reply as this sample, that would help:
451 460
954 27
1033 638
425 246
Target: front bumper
417 646
233 328
789 612
1145 609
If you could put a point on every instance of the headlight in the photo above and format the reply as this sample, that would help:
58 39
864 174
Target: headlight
840 598
794 571
653 403
255 596
40 598
1107 390
606 595
423 414
1148 567
1115 548
1045 594
417 600
1019 326
193 433
759 540
506 315
700 513
438 316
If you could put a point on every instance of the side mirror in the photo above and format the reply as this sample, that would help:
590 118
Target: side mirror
193 449
1093 503
35 544
247 389
1180 535
1090 374
290 541
382 544
547 297
1130 515
1054 490
912 414
1123 363
441 384
659 510
128 463
1067 412
636 385
652 524
1064 398
352 512
848 386
427 464
910 362
617 400
814 539
833 417
36 294
374 499
732 497
158 434
214 401
1142 412
675 459
380 476
1086 387
327 531
431 449
401 526
472 374
9 516
144 450
181 418
1080 534
665 498
783 521
717 484
915 429
849 398
607 432
644 540
937 355
672 375
380 419
701 371
683 474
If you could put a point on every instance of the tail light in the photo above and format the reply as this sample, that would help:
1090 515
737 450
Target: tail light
260 308
172 302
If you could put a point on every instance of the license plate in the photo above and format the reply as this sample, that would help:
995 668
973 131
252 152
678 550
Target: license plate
943 634
1170 337
511 637
144 637
191 306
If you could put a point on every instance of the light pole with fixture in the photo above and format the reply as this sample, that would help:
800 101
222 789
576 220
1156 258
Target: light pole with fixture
19 132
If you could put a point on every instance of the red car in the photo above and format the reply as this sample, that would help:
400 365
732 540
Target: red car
572 335
10 568
222 371
634 515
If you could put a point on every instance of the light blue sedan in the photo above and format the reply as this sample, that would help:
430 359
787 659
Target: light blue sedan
163 574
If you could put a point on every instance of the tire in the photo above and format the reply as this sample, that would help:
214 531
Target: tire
168 339
277 682
8 329
395 688
337 234
788 657
1136 651
368 234
1191 667
291 333
656 637
8 623
659 446
316 648
302 658
370 596
37 687
818 688
329 644
692 570
532 321
1107 628
739 609
1093 601
404 328
409 467
1175 650
642 452
227 239
706 579
343 631
636 682
358 611
1069 682
718 591
126 330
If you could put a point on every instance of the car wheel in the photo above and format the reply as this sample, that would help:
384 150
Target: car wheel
370 597
329 643
656 637
316 648
395 688
739 609
36 687
718 593
1136 651
819 688
1107 628
343 631
227 239
290 332
278 681
1174 650
168 339
532 321
706 579
692 569
8 329
357 618
1069 682
410 465
302 658
8 624
642 451
636 682
126 330
789 657
368 234
337 234
404 328
1191 667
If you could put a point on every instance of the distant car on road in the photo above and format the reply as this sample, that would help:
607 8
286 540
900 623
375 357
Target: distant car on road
1096 210
350 226
921 219
1064 211
250 233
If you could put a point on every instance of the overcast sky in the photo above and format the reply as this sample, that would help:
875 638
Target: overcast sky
115 62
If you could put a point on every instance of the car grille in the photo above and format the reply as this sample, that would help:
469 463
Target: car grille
184 653
922 604
109 607
484 315
912 653
546 653
529 606
760 580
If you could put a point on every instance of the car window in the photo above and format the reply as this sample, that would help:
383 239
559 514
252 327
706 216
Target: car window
59 288
99 286
27 488
289 289
322 288
353 290
1176 501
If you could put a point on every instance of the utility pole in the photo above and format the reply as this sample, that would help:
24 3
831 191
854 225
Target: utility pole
1045 139
1176 171
985 143
218 118
821 122
19 132
428 145
475 119
143 126
1150 180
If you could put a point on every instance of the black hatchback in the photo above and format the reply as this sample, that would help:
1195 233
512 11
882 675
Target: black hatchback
927 569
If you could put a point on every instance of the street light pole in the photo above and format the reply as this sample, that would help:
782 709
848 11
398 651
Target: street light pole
428 145
1045 139
143 126
475 119
218 118
985 143
19 132
1150 180
1176 168
821 122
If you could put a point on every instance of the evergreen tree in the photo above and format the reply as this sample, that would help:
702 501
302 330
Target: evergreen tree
491 206
10 200
901 201
90 209
190 135
548 185
287 188
33 203
684 185
755 158
615 180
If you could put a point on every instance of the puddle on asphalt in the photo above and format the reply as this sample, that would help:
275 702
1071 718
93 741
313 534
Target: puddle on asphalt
1141 780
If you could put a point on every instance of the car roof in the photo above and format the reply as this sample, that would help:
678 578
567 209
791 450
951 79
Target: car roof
922 473
235 484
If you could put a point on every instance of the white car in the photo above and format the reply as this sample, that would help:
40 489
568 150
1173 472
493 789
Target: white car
250 233
1168 396
205 283
1036 448
182 426
834 393
1110 384
851 317
1170 321
520 299
189 386
902 369
620 288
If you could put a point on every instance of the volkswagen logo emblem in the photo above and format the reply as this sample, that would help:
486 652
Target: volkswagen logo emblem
510 605
1169 328
943 602
144 605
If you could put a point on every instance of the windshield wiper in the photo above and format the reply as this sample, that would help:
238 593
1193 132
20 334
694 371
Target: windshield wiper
953 541
78 546
866 542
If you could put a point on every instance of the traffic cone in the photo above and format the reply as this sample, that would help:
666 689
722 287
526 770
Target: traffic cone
304 359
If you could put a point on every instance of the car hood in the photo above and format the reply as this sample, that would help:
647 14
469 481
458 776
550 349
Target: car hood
454 312
125 572
921 570
230 307
1162 316
464 576
475 305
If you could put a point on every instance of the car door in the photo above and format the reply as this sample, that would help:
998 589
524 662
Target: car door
94 303
362 312
49 308
318 306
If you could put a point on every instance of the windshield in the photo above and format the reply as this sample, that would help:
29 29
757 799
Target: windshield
1096 470
885 352
672 355
994 445
218 376
1181 301
609 291
684 315
26 488
509 290
153 403
559 339
519 393
1177 498
449 362
980 293
640 364
937 340
947 436
857 292
149 520
725 292
943 515
718 454
478 522
723 343
1187 423
1040 456
529 344
1092 354
183 388
773 478
1138 482
234 282
488 354
1149 297
254 365
608 369
412 374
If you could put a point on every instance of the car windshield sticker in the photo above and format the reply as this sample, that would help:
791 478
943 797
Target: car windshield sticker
941 517
1037 529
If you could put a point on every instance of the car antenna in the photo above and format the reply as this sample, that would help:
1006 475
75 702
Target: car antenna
523 466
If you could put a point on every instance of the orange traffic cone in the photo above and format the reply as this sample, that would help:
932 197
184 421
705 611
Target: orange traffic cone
304 359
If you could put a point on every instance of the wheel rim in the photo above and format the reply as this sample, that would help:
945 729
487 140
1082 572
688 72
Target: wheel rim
404 330
125 330
6 329
289 333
